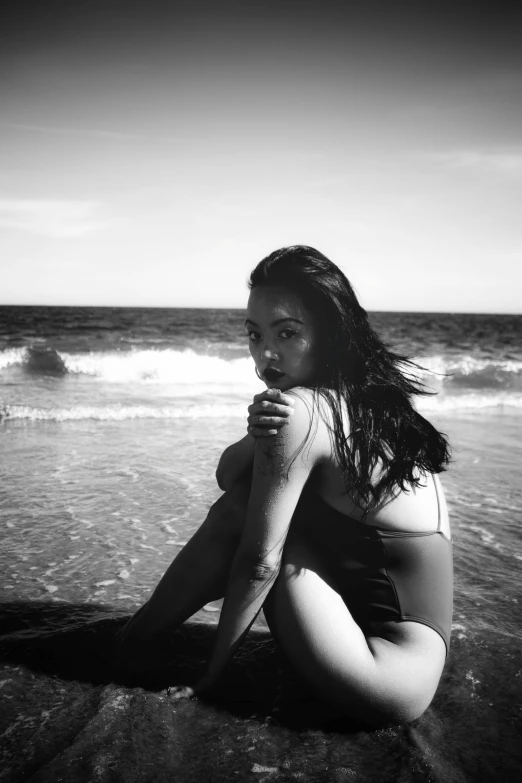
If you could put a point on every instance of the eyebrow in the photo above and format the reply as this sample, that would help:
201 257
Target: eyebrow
275 323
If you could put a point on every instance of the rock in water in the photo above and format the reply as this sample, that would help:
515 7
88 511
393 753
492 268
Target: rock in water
45 360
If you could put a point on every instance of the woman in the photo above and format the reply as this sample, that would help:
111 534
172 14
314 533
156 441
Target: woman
332 518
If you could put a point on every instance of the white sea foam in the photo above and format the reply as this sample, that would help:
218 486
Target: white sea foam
12 356
188 372
214 387
469 402
161 366
440 403
123 412
185 369
466 364
171 365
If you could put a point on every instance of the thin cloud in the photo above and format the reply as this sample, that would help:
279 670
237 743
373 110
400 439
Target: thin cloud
51 218
61 131
503 162
91 133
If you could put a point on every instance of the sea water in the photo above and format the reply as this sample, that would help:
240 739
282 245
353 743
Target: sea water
112 421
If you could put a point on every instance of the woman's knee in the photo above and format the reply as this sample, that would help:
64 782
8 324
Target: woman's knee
377 700
227 515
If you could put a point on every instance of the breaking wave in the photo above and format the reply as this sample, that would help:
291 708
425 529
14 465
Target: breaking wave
197 385
150 365
188 366
473 372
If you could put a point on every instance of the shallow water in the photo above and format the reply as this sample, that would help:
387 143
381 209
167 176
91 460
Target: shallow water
84 542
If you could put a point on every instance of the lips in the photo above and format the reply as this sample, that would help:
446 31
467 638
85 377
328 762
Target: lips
271 374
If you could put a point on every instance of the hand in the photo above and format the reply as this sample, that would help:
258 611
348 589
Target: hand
180 692
269 412
186 692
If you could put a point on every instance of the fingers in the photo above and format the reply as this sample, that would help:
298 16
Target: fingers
261 432
265 425
268 421
269 412
274 395
281 405
267 408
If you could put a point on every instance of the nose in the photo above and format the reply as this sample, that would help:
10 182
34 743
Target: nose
269 352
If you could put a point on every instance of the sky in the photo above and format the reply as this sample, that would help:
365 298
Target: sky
151 153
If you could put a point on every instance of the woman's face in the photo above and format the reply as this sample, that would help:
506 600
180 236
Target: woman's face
282 337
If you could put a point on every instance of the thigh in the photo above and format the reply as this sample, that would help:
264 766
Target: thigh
372 678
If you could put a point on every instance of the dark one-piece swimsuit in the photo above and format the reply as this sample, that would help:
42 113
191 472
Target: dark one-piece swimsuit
383 575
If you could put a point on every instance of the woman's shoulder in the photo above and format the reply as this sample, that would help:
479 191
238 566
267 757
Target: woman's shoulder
316 407
312 421
302 442
303 397
306 402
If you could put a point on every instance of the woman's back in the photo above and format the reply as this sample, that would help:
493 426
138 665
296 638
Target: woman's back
417 509
391 565
421 508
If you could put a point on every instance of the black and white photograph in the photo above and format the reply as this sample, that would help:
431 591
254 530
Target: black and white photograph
260 391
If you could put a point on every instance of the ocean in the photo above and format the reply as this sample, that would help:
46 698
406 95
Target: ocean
112 421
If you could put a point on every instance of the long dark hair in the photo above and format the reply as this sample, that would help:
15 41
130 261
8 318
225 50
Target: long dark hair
358 373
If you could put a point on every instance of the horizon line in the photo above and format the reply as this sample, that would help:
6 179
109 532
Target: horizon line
243 309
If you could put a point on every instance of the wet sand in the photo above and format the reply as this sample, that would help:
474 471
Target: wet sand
68 715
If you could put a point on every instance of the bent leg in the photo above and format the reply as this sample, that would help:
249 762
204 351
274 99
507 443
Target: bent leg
373 679
198 574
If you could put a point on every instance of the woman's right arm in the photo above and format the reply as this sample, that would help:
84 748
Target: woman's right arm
267 414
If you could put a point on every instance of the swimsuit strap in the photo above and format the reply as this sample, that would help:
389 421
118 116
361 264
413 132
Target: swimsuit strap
439 521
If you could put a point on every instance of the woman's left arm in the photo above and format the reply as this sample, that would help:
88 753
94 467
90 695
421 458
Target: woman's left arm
277 482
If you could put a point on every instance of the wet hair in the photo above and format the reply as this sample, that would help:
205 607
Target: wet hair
358 373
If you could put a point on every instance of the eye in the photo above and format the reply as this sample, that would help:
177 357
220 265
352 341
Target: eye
254 336
286 334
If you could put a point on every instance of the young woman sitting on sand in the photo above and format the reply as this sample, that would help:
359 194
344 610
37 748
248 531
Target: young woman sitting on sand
333 519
